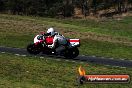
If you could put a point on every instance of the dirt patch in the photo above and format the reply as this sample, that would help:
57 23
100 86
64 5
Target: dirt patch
20 26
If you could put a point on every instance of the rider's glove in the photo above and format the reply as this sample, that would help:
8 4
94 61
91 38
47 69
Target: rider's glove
50 46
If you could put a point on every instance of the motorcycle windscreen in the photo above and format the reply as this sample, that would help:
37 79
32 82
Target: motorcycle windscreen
36 39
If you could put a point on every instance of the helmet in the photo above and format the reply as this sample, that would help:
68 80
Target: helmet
51 31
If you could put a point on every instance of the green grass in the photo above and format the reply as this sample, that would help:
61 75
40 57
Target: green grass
106 49
110 38
33 72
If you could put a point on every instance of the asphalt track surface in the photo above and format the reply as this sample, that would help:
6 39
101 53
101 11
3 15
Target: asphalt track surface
91 59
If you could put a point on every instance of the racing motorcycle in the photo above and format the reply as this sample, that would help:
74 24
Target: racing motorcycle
42 41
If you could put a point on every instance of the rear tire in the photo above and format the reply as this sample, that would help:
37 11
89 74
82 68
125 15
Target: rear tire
72 53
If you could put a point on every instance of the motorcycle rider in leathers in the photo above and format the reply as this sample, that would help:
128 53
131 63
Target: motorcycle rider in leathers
59 41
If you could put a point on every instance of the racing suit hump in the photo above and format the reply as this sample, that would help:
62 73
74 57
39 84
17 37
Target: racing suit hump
61 40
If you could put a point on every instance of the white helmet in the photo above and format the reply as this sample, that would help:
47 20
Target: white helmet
51 31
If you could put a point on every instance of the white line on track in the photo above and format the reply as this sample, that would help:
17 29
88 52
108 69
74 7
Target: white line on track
2 52
24 55
74 61
116 66
81 62
41 57
107 65
111 58
57 59
17 54
35 56
122 59
102 57
67 60
130 60
93 56
122 67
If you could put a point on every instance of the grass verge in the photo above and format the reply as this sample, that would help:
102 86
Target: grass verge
33 72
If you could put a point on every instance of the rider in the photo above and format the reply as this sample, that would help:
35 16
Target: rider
59 41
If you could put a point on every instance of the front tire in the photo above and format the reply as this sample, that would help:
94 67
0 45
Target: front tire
33 49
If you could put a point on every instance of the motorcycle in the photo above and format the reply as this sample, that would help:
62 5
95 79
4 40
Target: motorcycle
42 41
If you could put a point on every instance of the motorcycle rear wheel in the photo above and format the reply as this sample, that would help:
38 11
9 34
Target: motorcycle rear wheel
71 53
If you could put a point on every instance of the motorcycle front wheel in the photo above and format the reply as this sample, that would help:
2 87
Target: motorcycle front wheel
33 49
